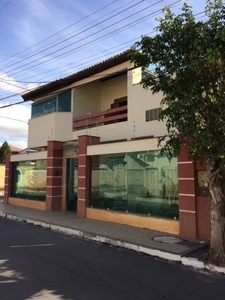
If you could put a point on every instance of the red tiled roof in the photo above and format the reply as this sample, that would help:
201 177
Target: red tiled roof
15 149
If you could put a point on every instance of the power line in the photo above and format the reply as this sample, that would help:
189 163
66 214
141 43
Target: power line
109 34
80 32
63 55
13 119
60 30
12 104
49 37
30 89
92 41
6 4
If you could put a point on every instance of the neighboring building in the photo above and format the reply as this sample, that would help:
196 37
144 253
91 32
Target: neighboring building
92 148
14 150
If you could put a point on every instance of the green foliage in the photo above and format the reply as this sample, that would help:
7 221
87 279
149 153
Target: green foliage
4 150
189 60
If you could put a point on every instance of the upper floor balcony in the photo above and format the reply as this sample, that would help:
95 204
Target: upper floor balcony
106 117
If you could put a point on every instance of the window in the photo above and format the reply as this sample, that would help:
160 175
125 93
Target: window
29 179
137 182
60 102
152 114
64 101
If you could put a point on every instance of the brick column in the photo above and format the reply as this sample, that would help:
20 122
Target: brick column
8 179
84 173
54 176
187 198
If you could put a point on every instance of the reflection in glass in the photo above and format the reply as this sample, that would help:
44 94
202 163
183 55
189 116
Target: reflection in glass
29 180
138 182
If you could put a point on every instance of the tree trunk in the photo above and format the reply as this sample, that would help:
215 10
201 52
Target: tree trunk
216 176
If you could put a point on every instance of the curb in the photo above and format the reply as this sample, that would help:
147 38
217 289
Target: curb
190 262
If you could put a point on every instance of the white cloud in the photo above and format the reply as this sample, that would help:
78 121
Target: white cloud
14 125
9 84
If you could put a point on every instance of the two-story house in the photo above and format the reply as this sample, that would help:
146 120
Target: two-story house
93 149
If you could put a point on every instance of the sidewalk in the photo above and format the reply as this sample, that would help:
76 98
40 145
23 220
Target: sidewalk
189 252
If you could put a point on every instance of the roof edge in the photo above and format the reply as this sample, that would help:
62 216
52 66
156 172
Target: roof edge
85 73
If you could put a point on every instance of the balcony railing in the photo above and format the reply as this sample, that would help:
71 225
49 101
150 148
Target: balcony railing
105 117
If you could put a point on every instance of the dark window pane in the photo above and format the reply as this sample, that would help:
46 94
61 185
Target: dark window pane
64 101
34 111
48 106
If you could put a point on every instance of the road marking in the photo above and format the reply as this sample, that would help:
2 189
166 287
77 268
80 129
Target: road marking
29 246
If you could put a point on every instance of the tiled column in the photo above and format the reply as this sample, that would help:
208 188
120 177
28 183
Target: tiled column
84 173
8 179
187 198
54 176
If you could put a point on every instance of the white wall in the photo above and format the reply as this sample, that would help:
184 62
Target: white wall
140 100
55 126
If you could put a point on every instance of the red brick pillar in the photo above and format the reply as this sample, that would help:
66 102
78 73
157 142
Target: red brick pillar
84 173
54 176
8 179
187 198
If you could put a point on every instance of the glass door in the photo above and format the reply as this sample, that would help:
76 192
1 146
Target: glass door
72 181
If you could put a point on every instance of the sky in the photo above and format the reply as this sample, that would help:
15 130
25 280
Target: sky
45 40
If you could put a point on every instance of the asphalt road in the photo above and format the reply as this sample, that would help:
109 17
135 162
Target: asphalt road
37 263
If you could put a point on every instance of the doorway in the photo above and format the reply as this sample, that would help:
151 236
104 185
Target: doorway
72 183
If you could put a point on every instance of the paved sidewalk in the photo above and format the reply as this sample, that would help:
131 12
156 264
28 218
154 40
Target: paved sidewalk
166 246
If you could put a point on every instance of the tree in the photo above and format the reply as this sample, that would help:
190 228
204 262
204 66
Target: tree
4 150
189 60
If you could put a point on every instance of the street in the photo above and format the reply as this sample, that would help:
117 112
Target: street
38 263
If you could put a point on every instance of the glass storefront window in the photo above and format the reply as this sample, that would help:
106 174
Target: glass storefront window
29 180
138 182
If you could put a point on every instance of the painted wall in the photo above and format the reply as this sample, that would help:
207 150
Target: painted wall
87 99
54 126
113 89
139 101
2 177
98 95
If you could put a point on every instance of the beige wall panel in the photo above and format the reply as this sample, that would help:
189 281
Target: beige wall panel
54 126
169 226
118 131
87 99
128 146
27 203
140 100
113 89
29 156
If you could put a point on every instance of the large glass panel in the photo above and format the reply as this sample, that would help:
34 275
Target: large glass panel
48 106
72 182
29 180
34 111
45 107
64 101
109 182
137 182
